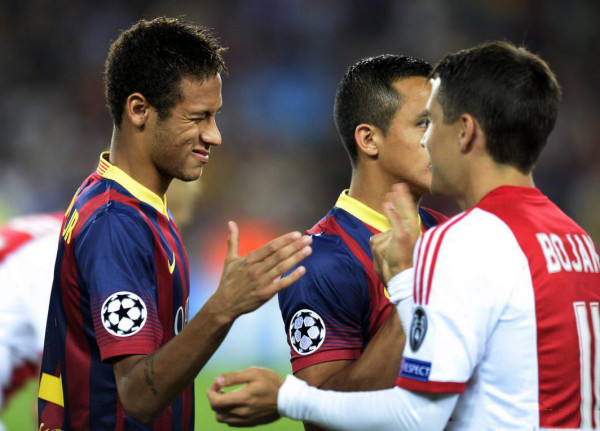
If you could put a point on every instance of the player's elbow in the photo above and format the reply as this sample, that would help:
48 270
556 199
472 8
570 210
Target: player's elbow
136 404
138 397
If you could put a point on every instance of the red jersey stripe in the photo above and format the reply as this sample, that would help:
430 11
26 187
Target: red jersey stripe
444 229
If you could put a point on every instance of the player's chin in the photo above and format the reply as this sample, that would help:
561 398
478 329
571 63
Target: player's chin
421 185
438 187
190 174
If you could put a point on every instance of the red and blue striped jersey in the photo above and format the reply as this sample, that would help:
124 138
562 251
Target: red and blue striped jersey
121 287
333 311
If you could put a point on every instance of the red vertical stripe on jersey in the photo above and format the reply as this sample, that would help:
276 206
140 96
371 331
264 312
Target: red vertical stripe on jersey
120 415
422 269
172 242
416 285
444 229
186 413
77 362
375 286
187 394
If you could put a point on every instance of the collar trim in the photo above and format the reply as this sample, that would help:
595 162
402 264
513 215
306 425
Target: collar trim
111 172
362 212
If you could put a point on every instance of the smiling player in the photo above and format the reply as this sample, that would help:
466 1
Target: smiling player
119 351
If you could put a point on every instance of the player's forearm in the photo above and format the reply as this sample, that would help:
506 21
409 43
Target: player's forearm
149 384
378 366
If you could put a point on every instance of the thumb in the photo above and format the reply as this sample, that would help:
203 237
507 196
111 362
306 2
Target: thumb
233 242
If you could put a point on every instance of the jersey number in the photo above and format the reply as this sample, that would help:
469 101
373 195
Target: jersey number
585 355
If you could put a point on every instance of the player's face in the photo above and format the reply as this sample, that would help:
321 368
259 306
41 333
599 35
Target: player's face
441 142
182 142
402 156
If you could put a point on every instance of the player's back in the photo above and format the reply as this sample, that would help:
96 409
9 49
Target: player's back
506 315
564 267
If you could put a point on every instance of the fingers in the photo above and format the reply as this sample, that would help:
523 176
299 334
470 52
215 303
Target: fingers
287 257
235 378
233 241
285 282
401 210
272 247
254 403
282 260
222 400
378 240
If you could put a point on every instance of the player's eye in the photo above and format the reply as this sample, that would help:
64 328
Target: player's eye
424 123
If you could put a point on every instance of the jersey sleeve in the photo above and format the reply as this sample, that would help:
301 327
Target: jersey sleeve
326 310
459 292
392 409
115 257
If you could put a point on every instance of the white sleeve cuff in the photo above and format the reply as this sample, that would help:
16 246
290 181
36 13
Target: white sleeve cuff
400 288
401 285
289 398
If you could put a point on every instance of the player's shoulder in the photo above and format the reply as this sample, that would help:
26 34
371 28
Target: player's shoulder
331 268
430 217
330 264
109 222
472 231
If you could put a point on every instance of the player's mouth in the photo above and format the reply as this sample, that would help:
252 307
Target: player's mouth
201 154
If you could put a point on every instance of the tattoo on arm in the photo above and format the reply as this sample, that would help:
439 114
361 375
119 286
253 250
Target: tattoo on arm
149 373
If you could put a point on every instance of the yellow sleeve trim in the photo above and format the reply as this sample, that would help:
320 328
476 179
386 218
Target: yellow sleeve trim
51 389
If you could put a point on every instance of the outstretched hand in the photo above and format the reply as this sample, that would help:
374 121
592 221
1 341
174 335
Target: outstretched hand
248 282
393 250
255 403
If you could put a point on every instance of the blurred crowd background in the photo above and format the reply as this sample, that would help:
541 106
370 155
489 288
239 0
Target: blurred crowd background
281 165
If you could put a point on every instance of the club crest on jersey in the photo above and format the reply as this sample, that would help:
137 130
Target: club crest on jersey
307 332
123 314
418 329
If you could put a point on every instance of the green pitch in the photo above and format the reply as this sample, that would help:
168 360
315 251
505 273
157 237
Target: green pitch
19 414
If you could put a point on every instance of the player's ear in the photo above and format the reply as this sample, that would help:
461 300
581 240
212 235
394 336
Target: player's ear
468 131
137 109
366 140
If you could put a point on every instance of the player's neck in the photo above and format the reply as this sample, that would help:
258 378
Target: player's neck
128 155
483 179
371 190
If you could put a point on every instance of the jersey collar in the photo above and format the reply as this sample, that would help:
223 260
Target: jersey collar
111 172
362 212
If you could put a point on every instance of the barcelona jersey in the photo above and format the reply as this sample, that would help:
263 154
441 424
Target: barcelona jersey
121 287
333 311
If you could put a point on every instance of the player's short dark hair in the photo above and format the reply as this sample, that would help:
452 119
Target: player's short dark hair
511 92
152 57
366 94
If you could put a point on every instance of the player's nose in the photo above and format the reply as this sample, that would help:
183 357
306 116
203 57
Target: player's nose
211 135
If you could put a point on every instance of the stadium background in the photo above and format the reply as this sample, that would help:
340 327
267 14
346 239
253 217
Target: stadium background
281 165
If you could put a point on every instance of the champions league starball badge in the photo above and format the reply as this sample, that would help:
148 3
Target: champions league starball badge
123 314
307 332
418 329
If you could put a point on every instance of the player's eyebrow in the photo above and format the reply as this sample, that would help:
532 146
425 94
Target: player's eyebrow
423 114
204 113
